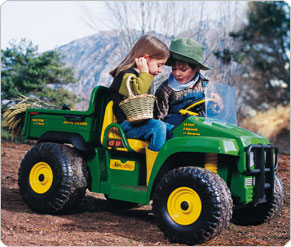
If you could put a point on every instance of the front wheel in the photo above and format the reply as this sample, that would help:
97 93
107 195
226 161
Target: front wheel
52 178
191 205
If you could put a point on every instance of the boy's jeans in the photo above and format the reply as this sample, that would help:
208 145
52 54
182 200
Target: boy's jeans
153 130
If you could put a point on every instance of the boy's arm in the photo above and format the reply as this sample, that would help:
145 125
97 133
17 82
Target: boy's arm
139 84
161 109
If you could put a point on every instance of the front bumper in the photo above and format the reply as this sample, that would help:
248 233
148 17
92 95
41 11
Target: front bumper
265 163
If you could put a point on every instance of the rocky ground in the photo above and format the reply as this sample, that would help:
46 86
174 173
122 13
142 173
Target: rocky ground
95 225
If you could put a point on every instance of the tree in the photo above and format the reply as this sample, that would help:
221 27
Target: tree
166 19
208 23
262 47
29 73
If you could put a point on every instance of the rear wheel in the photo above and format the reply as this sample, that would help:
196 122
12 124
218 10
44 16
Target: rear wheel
191 205
52 178
264 212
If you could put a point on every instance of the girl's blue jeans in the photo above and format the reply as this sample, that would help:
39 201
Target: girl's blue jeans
154 131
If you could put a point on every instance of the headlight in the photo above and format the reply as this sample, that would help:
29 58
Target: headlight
250 181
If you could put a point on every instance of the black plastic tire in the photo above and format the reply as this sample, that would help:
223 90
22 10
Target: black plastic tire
264 212
52 178
227 202
215 210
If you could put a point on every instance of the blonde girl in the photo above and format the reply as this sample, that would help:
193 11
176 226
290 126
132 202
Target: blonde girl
144 61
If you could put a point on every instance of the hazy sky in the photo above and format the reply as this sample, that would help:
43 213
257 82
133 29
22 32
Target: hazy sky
47 24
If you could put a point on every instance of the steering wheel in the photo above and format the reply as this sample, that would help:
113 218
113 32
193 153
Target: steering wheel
196 109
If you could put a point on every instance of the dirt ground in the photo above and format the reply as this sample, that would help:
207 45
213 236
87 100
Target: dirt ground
95 225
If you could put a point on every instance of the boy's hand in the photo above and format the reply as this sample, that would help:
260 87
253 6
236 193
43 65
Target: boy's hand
217 103
141 64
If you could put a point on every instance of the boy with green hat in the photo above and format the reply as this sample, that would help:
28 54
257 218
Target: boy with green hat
185 84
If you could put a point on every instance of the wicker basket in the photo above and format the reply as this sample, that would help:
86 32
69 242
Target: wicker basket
137 108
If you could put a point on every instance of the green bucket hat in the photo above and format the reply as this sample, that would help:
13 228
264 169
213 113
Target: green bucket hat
187 50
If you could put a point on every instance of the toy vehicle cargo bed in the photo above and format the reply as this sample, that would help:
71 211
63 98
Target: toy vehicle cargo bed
87 124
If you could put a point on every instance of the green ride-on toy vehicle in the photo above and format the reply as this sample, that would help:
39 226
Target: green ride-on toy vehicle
209 173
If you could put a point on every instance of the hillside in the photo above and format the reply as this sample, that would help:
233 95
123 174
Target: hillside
92 57
91 61
273 124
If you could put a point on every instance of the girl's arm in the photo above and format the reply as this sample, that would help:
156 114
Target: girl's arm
139 84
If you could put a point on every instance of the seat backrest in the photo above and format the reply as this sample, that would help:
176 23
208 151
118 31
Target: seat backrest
109 118
98 102
113 134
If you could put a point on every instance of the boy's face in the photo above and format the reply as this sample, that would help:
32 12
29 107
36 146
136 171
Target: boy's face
155 65
182 72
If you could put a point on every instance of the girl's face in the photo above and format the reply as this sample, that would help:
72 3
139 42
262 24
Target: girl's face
182 72
155 65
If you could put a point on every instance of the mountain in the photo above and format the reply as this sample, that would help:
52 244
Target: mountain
91 60
93 57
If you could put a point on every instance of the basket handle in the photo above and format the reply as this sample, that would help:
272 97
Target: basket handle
130 94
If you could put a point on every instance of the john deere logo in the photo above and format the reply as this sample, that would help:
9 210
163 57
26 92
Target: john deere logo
118 165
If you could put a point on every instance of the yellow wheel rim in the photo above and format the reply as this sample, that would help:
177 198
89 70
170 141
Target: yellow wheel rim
184 206
41 177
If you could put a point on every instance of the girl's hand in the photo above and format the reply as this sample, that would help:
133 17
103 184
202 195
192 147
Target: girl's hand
141 64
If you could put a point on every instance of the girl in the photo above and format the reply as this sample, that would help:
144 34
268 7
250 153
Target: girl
144 61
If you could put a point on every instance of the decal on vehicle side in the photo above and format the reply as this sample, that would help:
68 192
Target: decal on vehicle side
75 123
38 121
189 129
118 165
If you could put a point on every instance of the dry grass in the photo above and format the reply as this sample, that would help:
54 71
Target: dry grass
273 124
14 115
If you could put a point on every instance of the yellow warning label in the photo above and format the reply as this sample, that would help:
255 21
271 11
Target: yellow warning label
118 165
